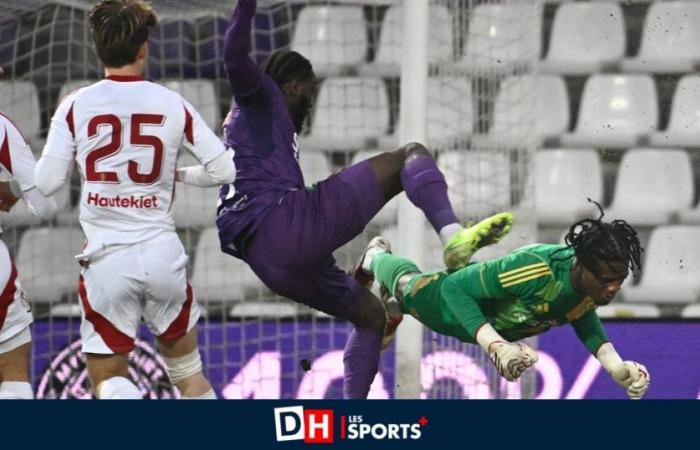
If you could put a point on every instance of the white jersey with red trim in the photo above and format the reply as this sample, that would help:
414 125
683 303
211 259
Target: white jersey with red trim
125 134
17 160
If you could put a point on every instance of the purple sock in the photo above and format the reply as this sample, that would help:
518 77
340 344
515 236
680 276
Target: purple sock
426 188
361 359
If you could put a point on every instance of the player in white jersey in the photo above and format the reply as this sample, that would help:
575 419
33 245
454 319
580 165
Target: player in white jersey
17 161
125 134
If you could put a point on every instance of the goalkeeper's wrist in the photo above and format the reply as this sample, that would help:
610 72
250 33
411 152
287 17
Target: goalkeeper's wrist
487 335
608 357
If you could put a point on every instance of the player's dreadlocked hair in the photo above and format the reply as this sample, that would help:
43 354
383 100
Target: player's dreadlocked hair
595 241
284 66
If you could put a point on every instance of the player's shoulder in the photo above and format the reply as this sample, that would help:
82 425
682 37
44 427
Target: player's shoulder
8 128
526 266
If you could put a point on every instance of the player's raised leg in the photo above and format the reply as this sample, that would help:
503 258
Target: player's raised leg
413 170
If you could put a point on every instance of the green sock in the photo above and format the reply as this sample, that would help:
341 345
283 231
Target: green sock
388 268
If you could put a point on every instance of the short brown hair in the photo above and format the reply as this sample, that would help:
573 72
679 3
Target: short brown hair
119 28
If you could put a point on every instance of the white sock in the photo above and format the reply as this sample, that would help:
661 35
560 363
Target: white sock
371 253
448 231
209 395
16 390
118 388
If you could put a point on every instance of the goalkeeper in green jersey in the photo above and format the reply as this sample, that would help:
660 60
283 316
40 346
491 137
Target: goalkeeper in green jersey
497 302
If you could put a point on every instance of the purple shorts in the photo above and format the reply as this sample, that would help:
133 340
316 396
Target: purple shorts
292 248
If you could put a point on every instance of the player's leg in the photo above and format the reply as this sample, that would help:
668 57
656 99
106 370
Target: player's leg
171 312
109 298
14 369
327 288
15 336
184 366
413 170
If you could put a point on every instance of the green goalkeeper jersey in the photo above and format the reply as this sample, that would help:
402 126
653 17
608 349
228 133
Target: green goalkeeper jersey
522 294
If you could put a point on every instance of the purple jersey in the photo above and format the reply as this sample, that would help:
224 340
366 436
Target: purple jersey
261 133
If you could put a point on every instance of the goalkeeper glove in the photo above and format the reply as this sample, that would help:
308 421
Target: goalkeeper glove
630 375
511 359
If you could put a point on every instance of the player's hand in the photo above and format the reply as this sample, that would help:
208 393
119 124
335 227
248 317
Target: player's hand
512 359
7 198
633 377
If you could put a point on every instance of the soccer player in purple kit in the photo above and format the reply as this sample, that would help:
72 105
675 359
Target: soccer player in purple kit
287 232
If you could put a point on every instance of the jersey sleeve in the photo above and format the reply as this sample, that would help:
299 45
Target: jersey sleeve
60 143
468 290
15 155
590 331
244 76
198 138
17 159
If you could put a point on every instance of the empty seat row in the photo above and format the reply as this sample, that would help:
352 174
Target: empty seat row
590 37
653 187
49 272
616 111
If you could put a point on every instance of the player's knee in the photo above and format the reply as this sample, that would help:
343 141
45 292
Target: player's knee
414 150
373 317
117 388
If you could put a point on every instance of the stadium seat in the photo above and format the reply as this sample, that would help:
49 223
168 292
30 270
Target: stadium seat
277 309
652 186
502 38
388 214
218 277
617 111
564 180
683 128
449 114
9 28
19 100
517 122
351 113
171 49
586 38
619 310
690 216
334 38
202 95
209 33
387 62
46 263
691 312
315 167
671 267
478 182
669 39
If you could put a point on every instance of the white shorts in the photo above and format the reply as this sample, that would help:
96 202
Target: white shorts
148 280
15 312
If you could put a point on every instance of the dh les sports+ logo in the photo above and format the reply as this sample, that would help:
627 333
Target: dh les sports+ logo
318 426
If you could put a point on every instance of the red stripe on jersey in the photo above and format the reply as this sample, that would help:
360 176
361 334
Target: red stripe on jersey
5 158
188 127
117 341
69 119
125 78
8 294
178 327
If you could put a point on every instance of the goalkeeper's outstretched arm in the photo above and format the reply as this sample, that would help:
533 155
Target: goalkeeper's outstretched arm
630 375
243 74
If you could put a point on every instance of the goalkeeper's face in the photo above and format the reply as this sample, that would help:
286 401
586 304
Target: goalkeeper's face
604 282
